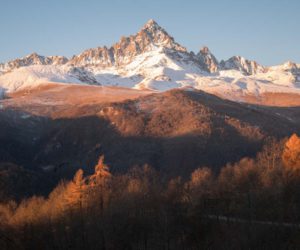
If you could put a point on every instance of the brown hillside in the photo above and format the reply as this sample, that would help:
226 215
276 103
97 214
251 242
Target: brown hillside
56 132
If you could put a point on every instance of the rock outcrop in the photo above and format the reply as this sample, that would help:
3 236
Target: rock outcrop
247 67
207 60
32 59
150 37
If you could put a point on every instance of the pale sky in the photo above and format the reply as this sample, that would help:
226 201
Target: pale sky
263 30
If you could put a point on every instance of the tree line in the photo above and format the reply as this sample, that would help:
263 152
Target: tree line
142 210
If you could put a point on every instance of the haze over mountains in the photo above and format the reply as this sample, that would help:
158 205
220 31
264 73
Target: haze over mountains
152 60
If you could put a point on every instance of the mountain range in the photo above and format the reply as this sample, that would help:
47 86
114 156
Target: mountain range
153 60
145 100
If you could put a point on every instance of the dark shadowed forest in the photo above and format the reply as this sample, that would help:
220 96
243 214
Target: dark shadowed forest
251 204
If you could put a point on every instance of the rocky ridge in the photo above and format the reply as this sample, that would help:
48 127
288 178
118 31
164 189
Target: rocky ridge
151 59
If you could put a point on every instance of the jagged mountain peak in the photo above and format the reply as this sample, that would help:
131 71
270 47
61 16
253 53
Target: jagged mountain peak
149 38
35 57
151 59
207 60
153 28
43 60
158 36
34 54
205 50
243 65
151 24
32 59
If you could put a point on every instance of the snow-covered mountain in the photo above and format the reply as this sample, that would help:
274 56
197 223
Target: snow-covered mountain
149 38
243 65
208 60
32 59
151 59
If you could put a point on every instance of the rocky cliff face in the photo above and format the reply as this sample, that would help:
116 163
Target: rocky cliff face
207 60
33 59
150 37
247 67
